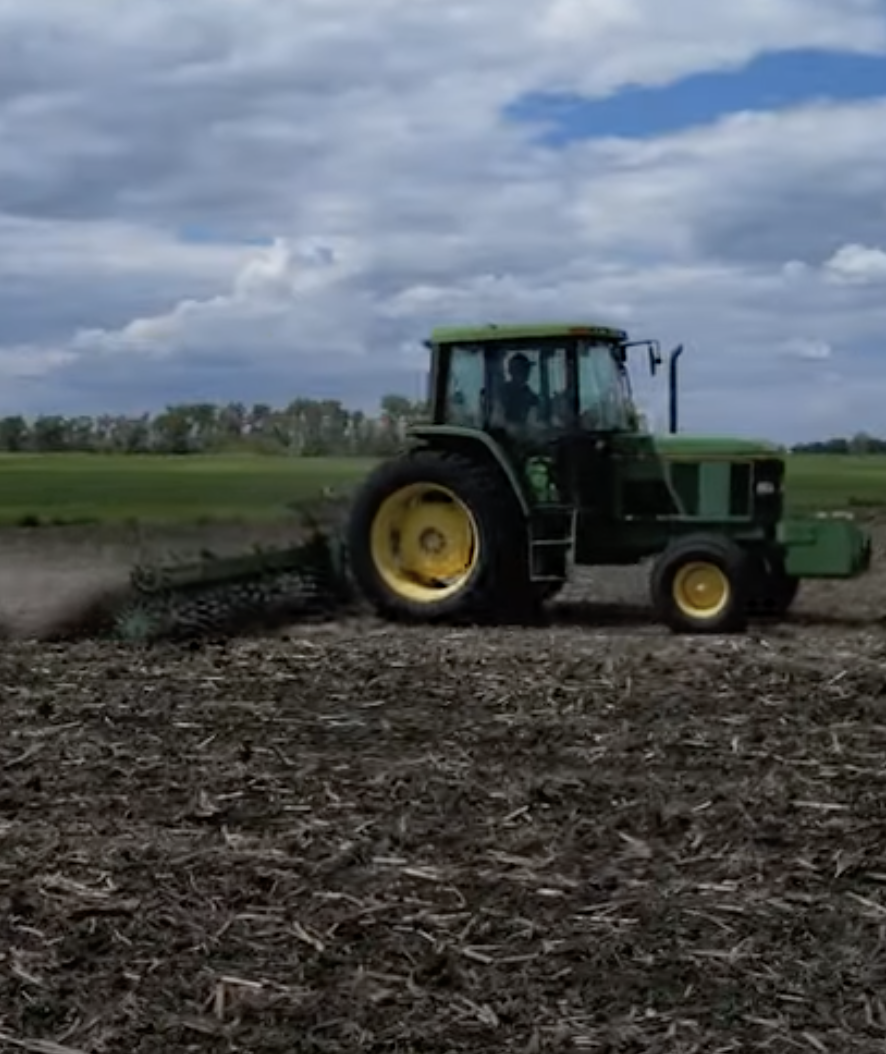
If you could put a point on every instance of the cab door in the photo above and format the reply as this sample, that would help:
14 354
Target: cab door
592 453
541 383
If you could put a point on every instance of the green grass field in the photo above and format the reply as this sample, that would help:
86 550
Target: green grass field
66 488
75 488
836 481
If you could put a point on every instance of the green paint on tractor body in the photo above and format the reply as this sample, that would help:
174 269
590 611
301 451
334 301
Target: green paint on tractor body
825 546
593 486
675 446
449 335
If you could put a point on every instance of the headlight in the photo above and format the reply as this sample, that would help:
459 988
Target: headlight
765 488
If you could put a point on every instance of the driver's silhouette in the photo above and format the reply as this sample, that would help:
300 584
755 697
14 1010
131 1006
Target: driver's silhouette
518 398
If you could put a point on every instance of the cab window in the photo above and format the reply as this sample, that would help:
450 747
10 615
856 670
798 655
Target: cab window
604 399
465 384
529 388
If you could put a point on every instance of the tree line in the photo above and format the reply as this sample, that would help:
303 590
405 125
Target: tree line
861 443
306 427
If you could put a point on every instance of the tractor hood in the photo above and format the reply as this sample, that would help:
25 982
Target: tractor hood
715 446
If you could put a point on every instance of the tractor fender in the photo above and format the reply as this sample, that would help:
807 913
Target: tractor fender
467 440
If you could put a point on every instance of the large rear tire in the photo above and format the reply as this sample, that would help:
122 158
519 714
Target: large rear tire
436 536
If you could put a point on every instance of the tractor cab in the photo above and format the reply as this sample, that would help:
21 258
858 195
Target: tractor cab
556 400
533 383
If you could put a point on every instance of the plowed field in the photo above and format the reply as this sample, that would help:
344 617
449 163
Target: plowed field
587 836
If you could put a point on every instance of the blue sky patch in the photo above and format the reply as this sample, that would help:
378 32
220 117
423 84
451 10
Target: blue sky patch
770 82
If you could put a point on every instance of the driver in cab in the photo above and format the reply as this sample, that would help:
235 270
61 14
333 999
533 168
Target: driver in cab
518 398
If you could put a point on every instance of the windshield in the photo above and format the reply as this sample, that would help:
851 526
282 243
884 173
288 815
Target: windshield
604 395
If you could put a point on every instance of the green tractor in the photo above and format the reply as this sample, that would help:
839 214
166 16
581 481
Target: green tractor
535 460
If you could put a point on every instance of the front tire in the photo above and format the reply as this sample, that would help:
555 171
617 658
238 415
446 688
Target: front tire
700 584
436 536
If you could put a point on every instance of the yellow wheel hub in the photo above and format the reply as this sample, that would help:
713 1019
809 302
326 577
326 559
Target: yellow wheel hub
424 543
701 590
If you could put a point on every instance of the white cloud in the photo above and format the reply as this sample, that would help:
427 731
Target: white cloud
808 350
107 248
856 263
368 142
289 295
21 362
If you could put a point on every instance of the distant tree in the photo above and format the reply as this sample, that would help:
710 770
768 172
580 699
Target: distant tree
14 434
172 431
51 434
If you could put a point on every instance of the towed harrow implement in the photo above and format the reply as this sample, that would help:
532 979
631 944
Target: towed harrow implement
223 594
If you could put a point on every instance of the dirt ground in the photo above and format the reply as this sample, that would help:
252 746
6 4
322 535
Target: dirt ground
585 837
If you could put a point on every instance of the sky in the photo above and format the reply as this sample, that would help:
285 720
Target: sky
259 200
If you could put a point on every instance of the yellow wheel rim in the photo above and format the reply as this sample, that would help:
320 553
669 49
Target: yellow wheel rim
701 590
424 543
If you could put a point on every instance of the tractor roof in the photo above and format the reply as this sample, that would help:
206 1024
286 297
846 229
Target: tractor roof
527 331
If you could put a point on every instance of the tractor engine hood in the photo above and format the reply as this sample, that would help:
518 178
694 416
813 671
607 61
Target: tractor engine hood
715 446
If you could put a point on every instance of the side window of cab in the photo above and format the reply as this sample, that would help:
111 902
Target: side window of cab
464 388
531 390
